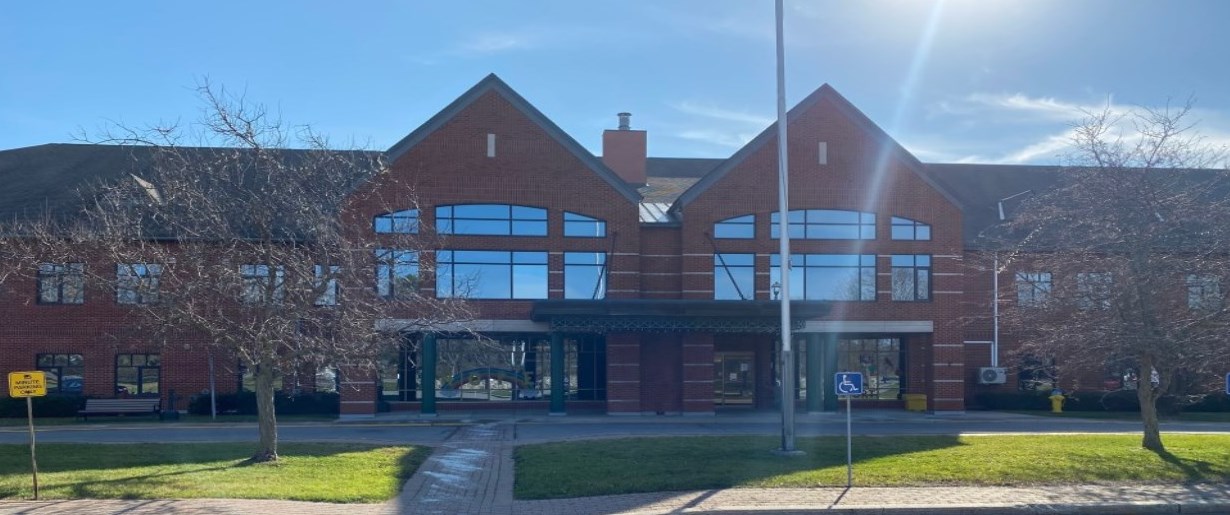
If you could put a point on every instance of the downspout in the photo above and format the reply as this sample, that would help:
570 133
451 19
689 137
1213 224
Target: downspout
995 312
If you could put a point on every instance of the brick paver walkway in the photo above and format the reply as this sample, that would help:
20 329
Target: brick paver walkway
472 472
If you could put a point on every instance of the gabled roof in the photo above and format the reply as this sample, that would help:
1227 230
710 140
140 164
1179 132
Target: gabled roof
979 189
845 107
492 83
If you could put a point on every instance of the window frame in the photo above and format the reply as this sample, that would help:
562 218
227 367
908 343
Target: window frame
258 275
448 224
574 220
1093 290
1033 289
734 273
389 223
918 271
140 371
145 282
598 292
447 262
864 266
59 275
332 294
737 224
388 263
1209 296
864 224
58 370
914 226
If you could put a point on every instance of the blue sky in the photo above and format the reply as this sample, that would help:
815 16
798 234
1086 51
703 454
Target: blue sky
962 80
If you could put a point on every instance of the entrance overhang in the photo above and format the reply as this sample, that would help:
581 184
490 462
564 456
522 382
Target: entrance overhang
661 315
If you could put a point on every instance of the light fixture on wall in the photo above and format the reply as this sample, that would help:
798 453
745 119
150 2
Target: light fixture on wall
777 290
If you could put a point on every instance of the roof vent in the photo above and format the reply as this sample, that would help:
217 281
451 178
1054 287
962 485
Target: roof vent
625 121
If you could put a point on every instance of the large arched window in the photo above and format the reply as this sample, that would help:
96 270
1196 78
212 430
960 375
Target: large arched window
907 229
491 220
739 227
827 224
405 221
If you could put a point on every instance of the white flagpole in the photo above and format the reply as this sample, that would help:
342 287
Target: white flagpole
787 361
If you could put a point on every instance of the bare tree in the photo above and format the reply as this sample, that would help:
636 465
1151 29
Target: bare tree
244 245
1134 239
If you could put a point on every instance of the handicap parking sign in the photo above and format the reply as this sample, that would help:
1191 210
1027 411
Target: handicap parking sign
848 383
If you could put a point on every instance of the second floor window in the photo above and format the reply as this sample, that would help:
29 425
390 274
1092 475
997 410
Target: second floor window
828 276
734 276
324 281
906 229
1093 290
398 222
491 274
262 284
911 277
1033 288
397 273
584 275
826 224
137 283
581 226
491 220
739 227
61 283
1203 292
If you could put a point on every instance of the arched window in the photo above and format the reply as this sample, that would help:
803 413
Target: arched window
405 221
739 227
827 224
907 229
491 220
581 226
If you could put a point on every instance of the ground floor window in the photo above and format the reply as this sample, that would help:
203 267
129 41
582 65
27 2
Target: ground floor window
65 372
879 359
137 374
495 369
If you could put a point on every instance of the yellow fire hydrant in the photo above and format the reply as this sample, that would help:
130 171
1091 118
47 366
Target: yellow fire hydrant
1056 402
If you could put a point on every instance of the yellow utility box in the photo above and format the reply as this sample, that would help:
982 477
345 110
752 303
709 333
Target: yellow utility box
915 401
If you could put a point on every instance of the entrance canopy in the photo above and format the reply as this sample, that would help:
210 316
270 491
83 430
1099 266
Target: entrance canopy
667 315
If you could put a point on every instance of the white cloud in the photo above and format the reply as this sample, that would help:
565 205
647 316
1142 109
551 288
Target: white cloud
719 126
732 140
723 114
494 43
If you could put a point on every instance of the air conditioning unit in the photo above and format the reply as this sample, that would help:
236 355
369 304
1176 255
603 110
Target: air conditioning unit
992 375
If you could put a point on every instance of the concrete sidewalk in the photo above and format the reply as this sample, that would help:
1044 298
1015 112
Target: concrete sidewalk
472 472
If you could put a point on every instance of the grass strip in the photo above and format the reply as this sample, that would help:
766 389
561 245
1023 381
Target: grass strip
324 472
604 467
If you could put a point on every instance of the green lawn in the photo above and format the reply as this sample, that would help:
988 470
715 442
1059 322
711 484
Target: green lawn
575 469
1194 416
153 419
327 472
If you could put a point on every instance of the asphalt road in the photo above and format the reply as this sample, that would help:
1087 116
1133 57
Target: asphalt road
540 429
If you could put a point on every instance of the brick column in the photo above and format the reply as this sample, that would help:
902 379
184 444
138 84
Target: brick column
359 391
698 374
623 374
947 389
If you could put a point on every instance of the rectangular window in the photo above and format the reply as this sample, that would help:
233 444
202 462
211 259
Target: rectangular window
1033 288
1203 292
581 226
491 220
325 282
734 276
584 275
739 227
826 224
137 283
263 284
397 222
907 229
61 283
911 276
137 374
880 360
486 274
828 276
397 273
1093 290
65 372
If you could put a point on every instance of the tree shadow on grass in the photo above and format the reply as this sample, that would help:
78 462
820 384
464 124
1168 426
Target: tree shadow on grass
1194 470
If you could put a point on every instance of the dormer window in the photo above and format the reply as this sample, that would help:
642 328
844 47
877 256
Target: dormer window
405 221
907 229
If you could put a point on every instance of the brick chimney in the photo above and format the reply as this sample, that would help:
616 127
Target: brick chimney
624 151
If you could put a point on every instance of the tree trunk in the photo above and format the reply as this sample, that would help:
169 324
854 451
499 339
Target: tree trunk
266 421
1152 439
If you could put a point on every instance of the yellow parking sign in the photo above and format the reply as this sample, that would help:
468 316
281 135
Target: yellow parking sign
27 384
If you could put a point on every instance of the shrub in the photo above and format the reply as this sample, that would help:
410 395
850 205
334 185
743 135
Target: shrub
48 406
1012 400
1213 402
244 403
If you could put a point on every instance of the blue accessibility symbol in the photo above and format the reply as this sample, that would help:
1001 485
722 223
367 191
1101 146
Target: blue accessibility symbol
848 383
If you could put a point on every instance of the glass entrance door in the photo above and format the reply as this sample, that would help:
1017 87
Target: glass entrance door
734 382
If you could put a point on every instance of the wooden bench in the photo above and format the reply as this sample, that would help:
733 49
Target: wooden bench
120 407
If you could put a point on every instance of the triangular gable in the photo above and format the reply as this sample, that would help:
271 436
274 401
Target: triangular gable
493 83
845 107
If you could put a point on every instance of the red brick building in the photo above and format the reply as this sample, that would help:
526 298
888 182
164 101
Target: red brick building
623 284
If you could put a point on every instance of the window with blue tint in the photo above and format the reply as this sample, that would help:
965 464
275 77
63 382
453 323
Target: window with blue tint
734 276
491 274
1033 288
397 273
581 226
828 276
906 229
739 227
584 275
826 224
1093 290
491 220
397 222
324 281
61 283
137 283
262 284
911 277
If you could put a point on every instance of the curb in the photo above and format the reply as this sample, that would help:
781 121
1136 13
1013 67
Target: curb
1193 508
